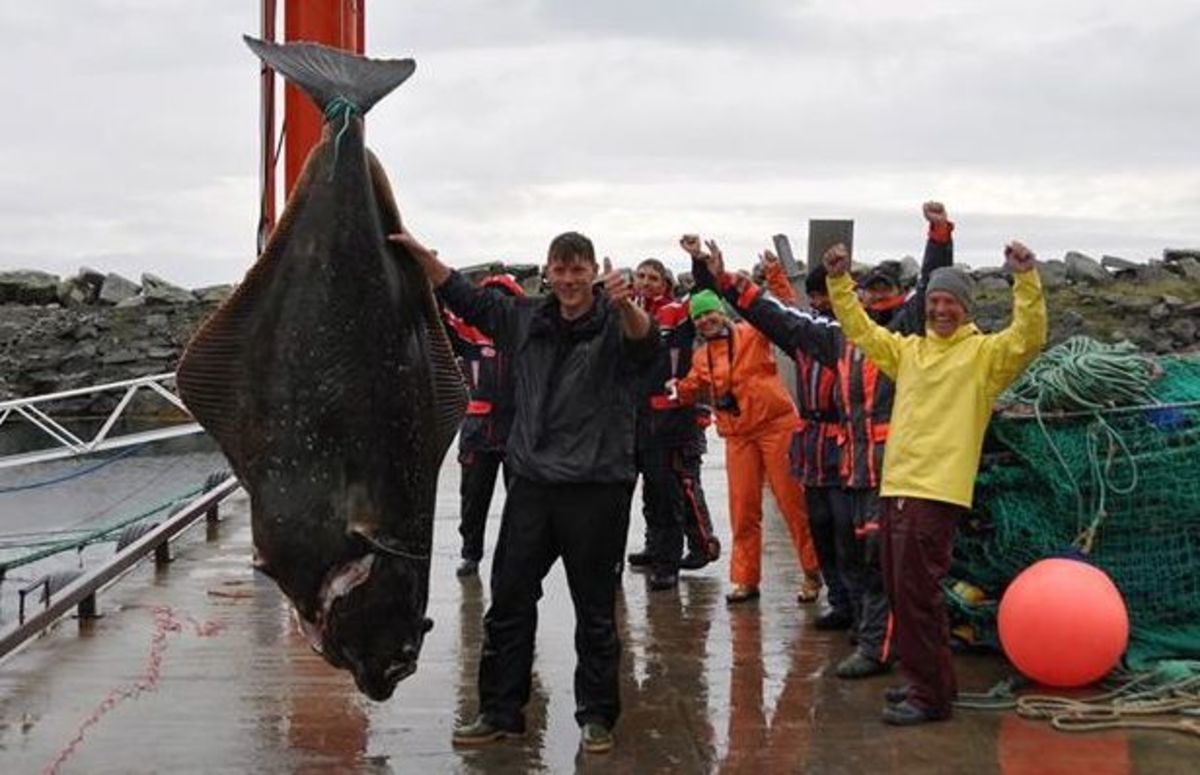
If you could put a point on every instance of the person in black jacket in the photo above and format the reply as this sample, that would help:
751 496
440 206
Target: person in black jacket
578 362
488 371
670 444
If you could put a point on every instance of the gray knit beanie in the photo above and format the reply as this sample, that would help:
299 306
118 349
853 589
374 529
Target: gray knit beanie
957 283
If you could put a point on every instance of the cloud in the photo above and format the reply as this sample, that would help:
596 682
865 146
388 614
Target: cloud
130 129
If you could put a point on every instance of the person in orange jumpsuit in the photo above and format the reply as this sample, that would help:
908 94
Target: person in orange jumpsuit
734 371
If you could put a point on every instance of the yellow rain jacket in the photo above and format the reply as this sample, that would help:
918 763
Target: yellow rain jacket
945 388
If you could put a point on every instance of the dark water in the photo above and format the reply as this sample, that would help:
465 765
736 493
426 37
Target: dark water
64 501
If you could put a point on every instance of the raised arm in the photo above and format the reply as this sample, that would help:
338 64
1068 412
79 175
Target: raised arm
492 313
788 328
1015 347
879 344
777 279
939 252
701 275
635 323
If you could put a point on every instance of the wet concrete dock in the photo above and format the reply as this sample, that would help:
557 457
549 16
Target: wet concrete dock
199 668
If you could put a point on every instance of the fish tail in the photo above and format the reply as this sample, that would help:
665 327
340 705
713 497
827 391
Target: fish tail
334 79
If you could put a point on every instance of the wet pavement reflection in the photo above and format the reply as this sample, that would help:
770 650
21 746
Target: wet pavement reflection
706 688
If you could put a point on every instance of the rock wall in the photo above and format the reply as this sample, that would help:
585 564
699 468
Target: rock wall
58 334
93 328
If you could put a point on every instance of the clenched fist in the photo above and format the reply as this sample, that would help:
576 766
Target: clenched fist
836 260
1018 257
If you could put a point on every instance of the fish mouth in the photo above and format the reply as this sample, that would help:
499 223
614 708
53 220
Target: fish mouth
384 688
399 671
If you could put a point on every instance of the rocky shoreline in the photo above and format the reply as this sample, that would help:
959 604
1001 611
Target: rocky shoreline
62 333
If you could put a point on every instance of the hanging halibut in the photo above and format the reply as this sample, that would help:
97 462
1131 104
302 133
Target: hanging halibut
329 383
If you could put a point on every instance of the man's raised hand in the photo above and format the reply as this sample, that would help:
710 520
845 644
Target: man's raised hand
1018 257
690 244
616 286
742 280
836 260
715 260
934 212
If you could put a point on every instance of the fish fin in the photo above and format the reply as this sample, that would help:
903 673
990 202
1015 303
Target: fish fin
450 391
448 386
323 72
211 375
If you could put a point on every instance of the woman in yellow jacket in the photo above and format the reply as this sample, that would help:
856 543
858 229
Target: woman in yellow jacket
946 383
735 372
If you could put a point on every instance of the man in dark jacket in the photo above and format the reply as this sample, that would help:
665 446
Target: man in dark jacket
578 359
488 371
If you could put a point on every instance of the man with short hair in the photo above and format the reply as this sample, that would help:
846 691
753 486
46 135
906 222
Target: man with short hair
946 383
578 359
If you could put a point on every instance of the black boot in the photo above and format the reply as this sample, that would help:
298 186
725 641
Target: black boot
663 578
642 559
833 620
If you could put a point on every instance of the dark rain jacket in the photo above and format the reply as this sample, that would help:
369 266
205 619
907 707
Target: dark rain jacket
864 394
815 454
662 420
488 371
575 384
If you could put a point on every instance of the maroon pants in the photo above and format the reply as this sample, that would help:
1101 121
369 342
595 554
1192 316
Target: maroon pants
917 538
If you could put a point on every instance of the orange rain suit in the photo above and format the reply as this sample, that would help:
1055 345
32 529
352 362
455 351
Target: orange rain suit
756 442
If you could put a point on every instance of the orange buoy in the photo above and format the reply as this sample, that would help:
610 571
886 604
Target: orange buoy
1063 623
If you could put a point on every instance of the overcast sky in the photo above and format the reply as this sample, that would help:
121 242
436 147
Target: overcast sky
128 136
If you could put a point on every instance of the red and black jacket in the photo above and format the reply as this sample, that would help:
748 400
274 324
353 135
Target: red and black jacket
488 373
815 453
814 342
662 420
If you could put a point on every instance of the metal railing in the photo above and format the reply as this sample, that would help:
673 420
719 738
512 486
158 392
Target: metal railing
68 444
81 593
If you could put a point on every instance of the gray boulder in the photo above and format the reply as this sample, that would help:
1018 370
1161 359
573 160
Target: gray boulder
1183 330
117 289
28 286
159 291
1053 272
1085 269
213 294
1154 272
1175 254
72 293
992 283
1188 268
1116 264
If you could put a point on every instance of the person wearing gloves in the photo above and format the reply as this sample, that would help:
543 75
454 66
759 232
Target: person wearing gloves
734 371
946 383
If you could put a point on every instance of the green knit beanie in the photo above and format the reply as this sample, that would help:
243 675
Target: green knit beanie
704 302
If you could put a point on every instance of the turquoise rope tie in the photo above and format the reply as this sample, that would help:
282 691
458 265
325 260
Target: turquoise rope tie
345 108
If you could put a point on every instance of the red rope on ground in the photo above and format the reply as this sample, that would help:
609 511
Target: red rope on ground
166 621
